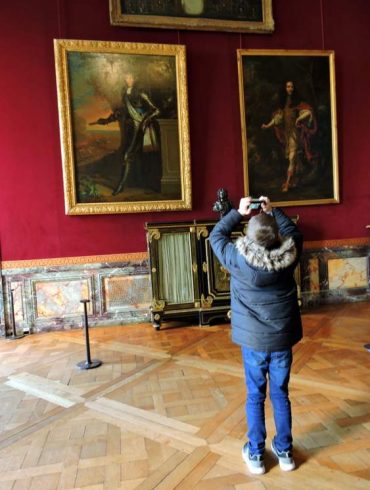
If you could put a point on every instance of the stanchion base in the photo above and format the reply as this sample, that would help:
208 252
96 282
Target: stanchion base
15 337
89 365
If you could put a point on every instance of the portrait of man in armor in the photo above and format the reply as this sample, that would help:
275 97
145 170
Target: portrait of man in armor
124 126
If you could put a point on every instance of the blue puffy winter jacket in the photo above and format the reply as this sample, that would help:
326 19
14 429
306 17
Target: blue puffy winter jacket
265 314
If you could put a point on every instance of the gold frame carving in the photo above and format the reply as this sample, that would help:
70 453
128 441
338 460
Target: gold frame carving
262 73
201 232
190 21
206 302
158 305
124 55
154 234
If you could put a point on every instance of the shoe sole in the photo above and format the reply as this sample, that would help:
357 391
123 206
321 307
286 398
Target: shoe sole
283 466
287 467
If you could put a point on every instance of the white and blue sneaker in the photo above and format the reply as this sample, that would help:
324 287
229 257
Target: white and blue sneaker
254 462
286 461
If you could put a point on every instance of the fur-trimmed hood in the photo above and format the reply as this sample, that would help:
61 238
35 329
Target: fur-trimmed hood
272 260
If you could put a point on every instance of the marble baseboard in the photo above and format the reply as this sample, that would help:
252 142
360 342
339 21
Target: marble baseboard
47 293
48 296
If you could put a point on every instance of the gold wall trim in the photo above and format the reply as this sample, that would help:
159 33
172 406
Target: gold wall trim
344 242
64 261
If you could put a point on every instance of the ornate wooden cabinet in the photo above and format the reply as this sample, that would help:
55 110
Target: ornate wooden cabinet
187 280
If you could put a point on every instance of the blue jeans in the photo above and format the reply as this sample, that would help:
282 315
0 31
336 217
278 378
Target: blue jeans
257 366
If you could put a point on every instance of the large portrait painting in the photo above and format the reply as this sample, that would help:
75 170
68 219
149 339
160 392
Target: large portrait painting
123 115
241 16
289 132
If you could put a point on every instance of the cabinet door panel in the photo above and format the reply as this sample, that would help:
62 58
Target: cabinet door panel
175 268
218 278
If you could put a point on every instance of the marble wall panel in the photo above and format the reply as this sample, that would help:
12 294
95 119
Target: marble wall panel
347 273
335 274
314 279
126 292
19 309
60 298
13 304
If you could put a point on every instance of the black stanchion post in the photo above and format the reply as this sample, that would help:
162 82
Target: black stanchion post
14 335
88 364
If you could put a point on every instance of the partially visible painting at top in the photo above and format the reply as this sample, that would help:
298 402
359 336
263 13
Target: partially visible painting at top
234 15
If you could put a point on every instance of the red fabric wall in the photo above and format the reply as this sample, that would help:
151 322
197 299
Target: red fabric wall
32 220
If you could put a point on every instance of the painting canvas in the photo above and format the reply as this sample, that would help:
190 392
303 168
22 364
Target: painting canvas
241 16
288 119
124 126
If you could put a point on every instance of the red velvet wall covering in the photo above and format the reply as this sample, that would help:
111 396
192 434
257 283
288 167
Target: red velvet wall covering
32 220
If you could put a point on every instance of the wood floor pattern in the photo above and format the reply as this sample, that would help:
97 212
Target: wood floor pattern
166 409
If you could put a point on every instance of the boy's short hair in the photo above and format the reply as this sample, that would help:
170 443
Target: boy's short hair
263 230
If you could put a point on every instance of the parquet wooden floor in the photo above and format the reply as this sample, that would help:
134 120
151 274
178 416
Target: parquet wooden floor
166 409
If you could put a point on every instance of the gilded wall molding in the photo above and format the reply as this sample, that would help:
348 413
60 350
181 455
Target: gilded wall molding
67 261
343 242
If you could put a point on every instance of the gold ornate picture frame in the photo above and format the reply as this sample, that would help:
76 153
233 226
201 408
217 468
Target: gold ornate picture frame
123 115
250 16
289 127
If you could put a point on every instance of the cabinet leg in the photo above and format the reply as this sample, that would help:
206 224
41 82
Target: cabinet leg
156 321
203 322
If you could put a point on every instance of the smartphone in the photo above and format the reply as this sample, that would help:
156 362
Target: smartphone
255 204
